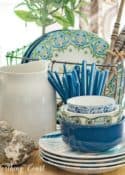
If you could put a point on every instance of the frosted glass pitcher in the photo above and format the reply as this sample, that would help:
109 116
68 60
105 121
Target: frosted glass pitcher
27 100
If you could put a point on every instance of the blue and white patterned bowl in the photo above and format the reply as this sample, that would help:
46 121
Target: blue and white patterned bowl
91 104
92 119
96 138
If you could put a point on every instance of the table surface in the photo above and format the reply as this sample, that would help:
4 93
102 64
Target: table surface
35 166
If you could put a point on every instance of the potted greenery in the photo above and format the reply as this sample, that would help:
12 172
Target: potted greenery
47 12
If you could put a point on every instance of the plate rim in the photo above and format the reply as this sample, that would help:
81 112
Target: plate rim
79 168
80 160
85 156
83 164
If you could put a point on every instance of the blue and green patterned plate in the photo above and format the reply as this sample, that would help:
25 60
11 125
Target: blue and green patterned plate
68 45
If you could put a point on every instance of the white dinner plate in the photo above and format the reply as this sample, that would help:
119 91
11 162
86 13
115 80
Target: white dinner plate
83 170
83 165
53 144
93 161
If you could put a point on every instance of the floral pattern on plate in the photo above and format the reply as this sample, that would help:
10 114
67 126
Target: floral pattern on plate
58 42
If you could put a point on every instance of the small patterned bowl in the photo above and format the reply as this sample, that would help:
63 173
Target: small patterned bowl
91 104
96 138
92 119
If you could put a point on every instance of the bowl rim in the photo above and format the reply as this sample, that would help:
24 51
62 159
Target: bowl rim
64 109
74 101
95 126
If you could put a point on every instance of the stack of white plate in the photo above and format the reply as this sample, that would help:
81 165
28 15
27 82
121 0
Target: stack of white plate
55 152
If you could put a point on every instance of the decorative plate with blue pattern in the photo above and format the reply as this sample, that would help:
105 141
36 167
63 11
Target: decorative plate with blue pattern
68 45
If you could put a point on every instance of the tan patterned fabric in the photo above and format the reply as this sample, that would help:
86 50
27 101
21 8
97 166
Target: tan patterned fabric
101 17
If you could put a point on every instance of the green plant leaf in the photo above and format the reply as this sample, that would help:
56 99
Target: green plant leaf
46 22
47 12
65 1
20 4
62 21
83 15
56 3
49 21
73 2
25 15
69 15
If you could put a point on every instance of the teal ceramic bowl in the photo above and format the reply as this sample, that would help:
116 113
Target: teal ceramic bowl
95 138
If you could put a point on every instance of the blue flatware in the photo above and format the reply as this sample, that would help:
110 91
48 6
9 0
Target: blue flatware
59 84
66 80
54 85
87 81
77 68
92 78
71 85
79 82
77 89
68 76
66 88
76 82
106 73
98 82
95 82
100 85
56 82
58 79
75 75
83 79
75 78
64 69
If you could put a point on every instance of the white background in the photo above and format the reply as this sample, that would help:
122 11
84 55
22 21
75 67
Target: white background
13 31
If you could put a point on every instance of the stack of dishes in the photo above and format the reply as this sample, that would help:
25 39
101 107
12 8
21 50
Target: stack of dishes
91 110
91 137
54 151
91 123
